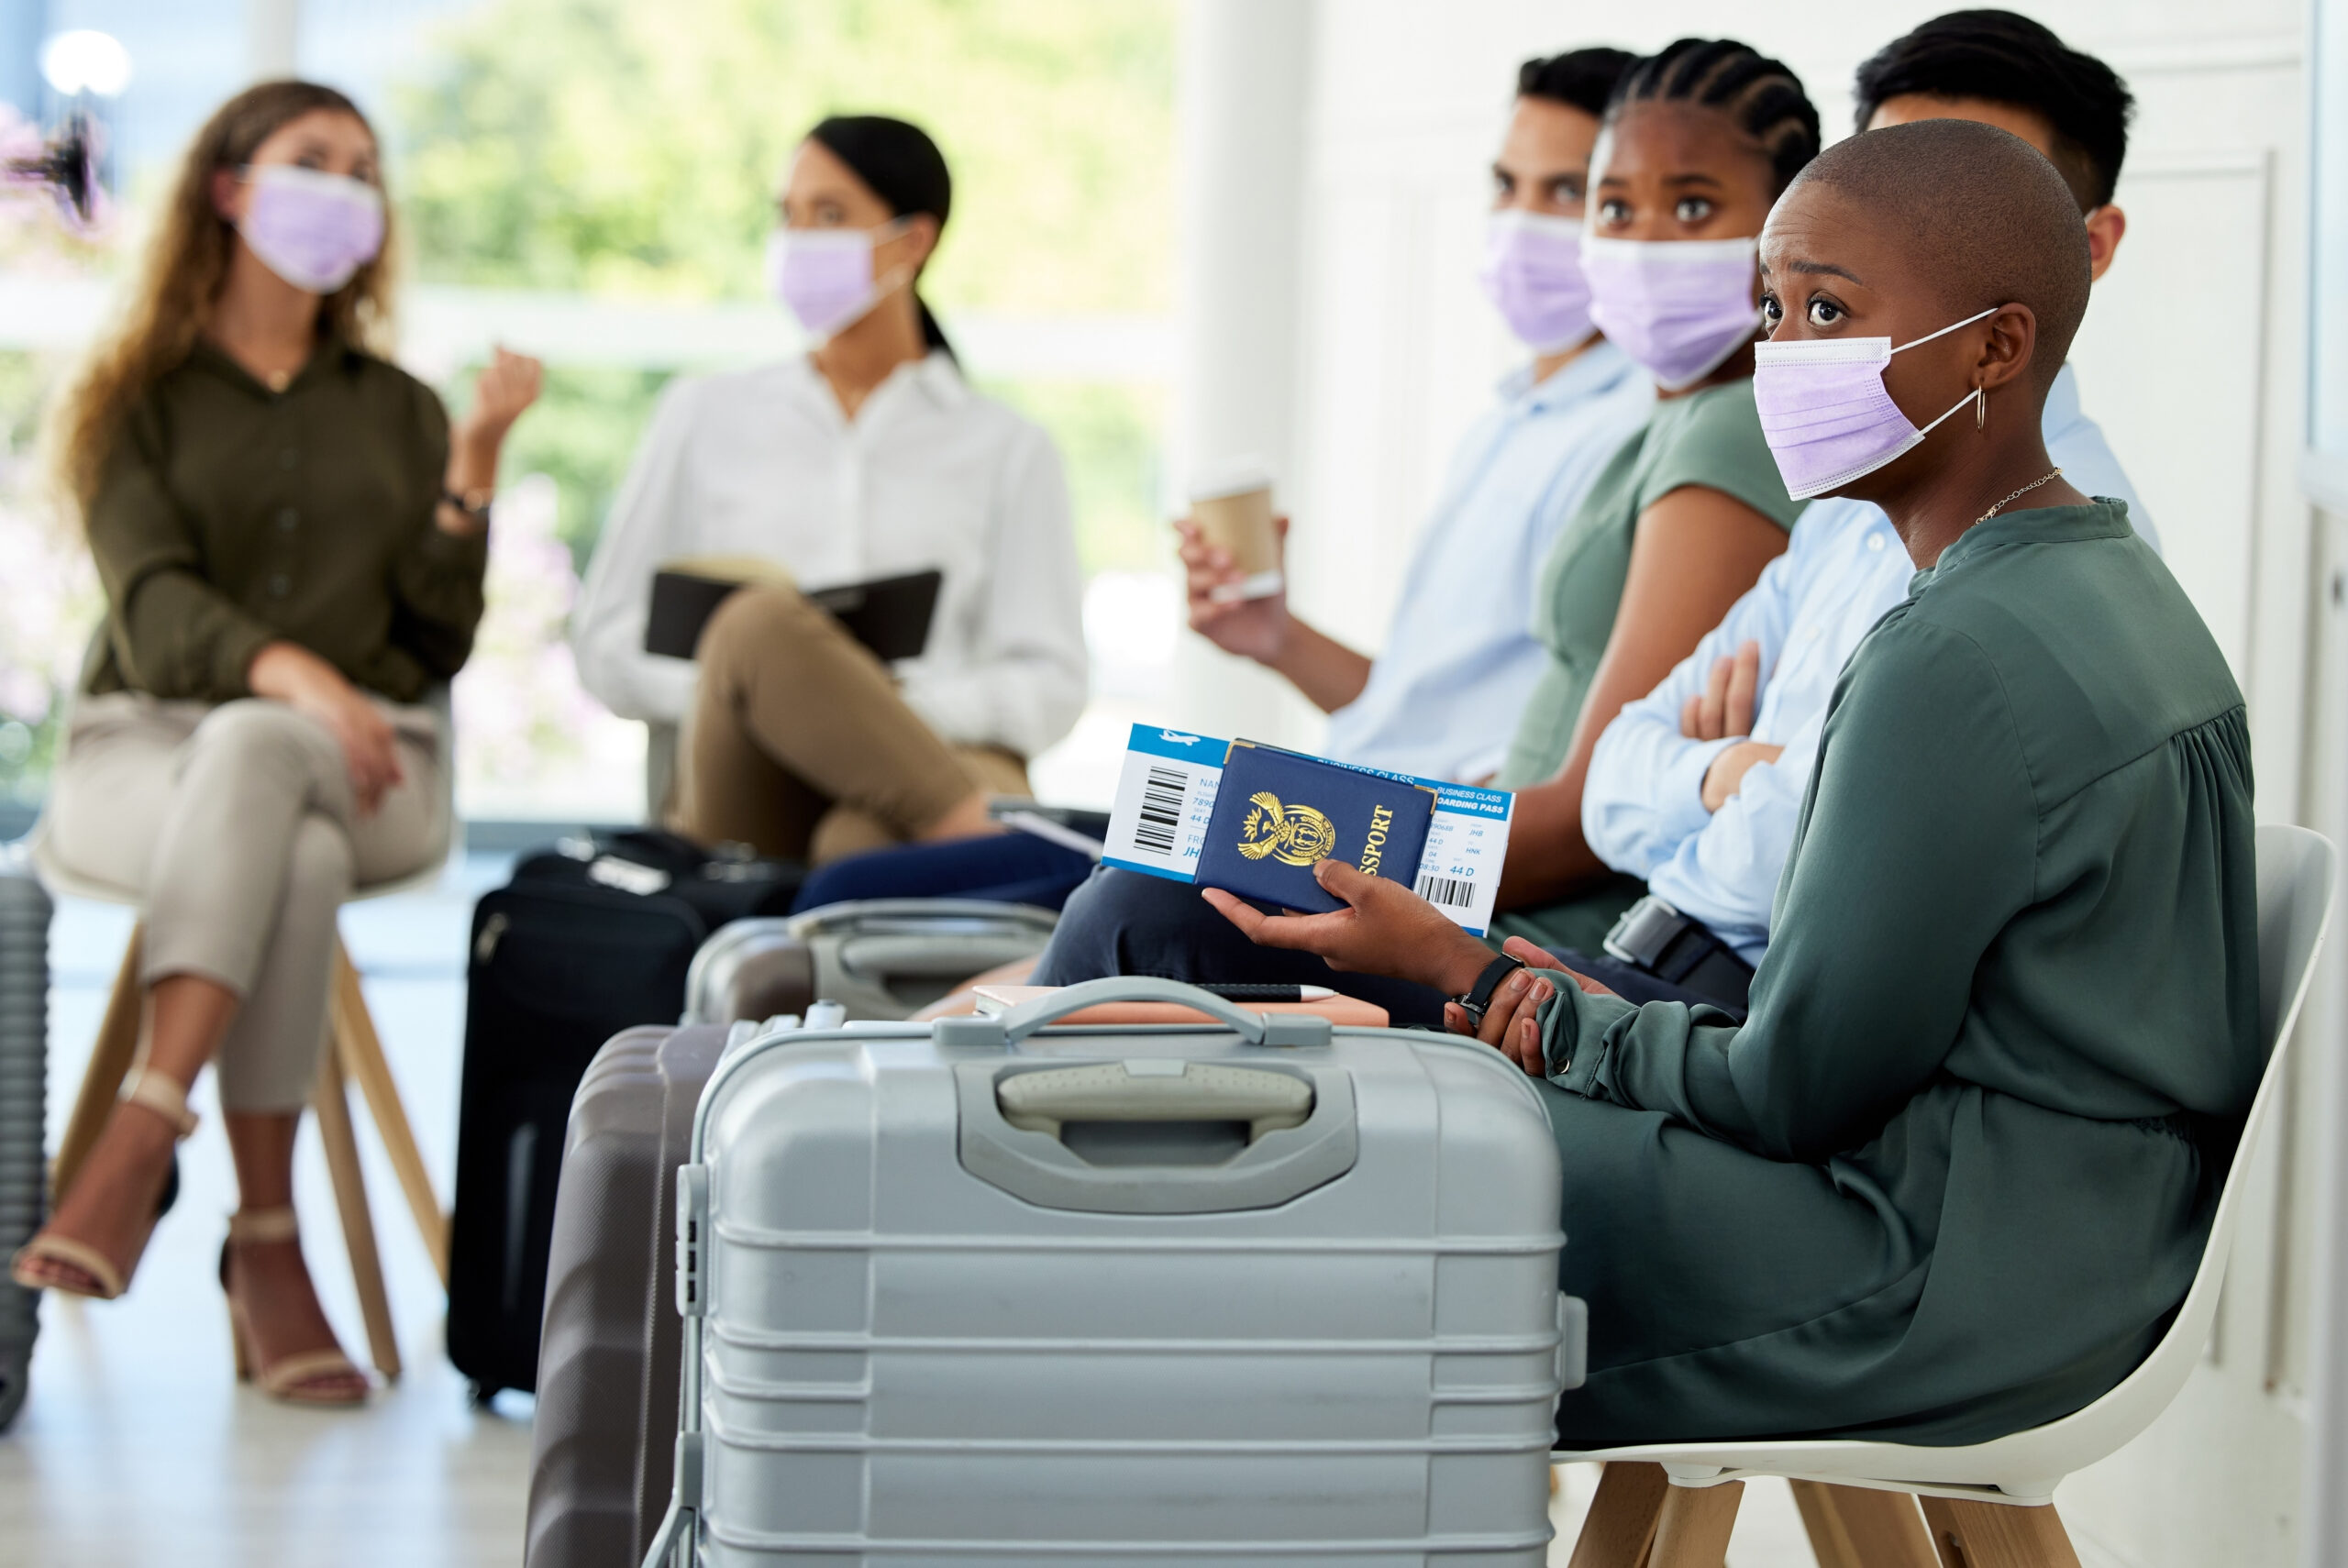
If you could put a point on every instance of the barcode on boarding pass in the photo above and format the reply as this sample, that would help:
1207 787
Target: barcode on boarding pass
1162 794
1158 819
1456 893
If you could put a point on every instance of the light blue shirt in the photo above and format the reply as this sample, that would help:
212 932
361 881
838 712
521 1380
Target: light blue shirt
1460 660
1643 807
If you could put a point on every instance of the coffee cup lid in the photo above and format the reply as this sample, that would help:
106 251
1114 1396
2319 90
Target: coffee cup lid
1231 476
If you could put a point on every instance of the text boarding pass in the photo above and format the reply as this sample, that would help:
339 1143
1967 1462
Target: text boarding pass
1165 795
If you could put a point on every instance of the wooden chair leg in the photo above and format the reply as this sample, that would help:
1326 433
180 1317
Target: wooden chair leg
1694 1530
332 1103
1858 1526
1997 1535
110 1059
361 1052
1620 1523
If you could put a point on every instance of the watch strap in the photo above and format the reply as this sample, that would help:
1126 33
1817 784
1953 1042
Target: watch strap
1480 995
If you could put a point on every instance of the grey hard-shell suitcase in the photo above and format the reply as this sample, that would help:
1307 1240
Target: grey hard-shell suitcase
25 913
606 1419
883 958
981 1291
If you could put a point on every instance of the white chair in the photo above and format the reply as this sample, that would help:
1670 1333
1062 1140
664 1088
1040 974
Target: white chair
1988 1505
357 1054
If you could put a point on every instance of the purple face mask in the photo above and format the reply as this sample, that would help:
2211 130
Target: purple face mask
1678 307
825 275
311 228
1533 275
1826 412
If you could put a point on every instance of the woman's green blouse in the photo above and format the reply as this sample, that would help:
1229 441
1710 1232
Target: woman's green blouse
228 515
1710 439
1957 1168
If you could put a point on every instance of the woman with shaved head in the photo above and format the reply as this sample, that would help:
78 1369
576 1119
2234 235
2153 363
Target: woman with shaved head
1955 1172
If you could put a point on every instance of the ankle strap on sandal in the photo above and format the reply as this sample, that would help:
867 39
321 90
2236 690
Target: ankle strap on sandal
159 1094
263 1225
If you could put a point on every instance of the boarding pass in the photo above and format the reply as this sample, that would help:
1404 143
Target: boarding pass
1158 824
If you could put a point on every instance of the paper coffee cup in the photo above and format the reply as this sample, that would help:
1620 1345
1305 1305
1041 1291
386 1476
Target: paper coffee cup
1232 504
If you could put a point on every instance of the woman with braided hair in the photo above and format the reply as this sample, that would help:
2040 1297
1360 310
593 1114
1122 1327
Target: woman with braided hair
1696 144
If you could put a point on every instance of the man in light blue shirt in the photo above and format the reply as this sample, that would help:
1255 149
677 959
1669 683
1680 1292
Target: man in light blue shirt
1644 806
1444 697
1696 787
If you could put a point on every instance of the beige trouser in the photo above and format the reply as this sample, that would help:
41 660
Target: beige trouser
799 744
237 825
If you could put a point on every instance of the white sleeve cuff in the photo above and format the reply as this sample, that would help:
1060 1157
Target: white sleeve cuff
1679 812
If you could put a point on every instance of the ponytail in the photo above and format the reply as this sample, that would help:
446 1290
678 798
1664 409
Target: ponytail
931 333
903 167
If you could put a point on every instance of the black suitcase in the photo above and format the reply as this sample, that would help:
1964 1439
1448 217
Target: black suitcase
24 1054
586 941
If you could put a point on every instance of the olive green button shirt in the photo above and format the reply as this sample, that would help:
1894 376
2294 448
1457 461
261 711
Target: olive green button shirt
228 516
1954 1174
1710 439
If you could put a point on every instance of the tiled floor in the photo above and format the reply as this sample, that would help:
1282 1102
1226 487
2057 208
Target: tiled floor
136 1446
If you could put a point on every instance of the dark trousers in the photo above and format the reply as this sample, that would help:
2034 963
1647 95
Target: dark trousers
1004 868
1634 984
1122 923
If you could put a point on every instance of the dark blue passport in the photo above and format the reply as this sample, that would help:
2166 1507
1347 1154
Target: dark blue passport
1276 812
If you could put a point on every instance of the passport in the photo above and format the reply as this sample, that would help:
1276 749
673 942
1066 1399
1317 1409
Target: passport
1276 812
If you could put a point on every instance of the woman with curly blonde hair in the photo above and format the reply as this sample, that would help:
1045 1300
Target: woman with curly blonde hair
292 540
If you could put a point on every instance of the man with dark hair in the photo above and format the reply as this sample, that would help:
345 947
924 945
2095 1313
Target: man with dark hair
1443 697
2009 71
1580 78
1695 788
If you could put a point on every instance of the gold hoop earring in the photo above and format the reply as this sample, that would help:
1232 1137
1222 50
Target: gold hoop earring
1980 407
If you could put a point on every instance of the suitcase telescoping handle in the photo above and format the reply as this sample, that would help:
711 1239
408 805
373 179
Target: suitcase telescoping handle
981 1030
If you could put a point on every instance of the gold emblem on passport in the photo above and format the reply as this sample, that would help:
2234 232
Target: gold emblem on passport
1295 835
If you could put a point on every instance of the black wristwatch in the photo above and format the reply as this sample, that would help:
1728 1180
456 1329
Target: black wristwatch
1480 995
473 503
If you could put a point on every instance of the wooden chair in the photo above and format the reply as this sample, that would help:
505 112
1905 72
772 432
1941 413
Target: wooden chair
356 1053
1988 1505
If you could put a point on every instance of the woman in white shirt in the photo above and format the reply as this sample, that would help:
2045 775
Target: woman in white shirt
868 457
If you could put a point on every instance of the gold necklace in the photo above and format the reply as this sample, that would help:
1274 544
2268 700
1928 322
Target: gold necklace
2017 495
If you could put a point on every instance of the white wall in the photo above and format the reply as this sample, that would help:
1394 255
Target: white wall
2191 359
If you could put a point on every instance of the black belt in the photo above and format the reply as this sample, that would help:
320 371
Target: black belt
1656 939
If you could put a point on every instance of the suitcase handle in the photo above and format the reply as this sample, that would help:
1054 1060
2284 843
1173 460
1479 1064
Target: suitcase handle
1011 1027
1146 1091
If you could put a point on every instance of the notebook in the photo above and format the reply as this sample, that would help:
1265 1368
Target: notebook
1349 1011
890 615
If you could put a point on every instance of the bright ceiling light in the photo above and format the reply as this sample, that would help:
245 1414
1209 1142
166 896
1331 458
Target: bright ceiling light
86 61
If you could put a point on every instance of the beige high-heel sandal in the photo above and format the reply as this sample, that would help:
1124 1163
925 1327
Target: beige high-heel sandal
293 1378
149 1091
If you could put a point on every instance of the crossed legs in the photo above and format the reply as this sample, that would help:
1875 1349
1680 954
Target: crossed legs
800 746
238 823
